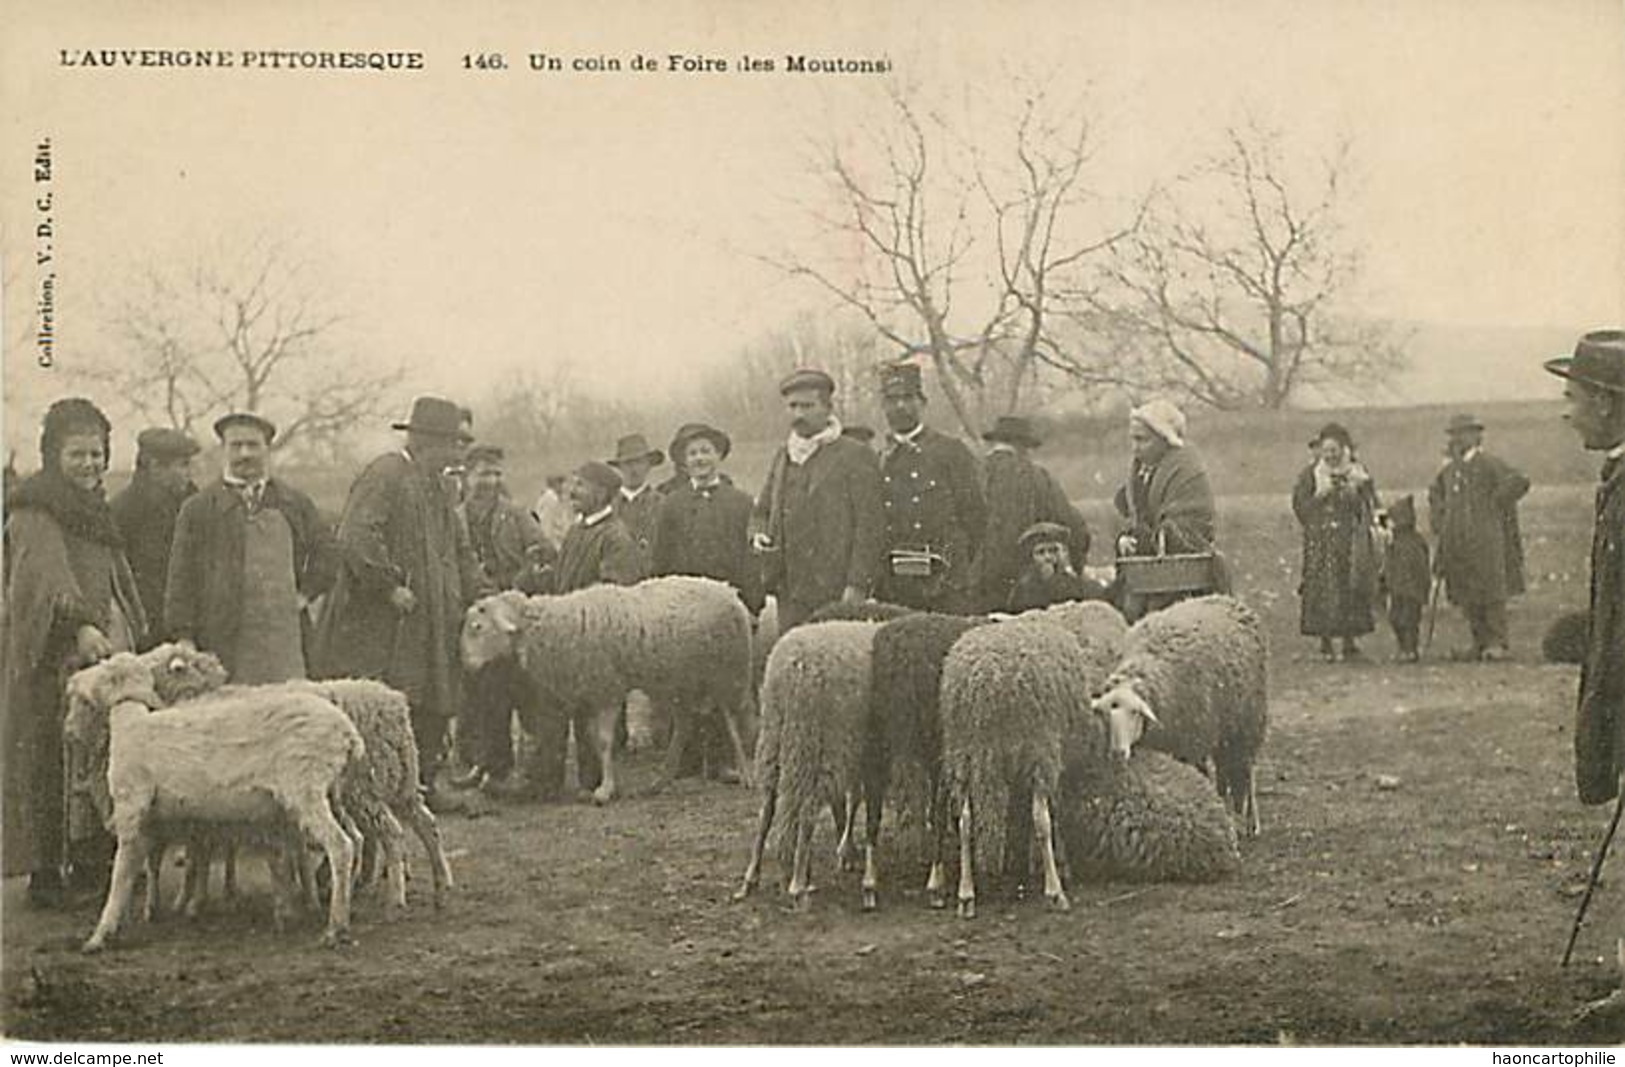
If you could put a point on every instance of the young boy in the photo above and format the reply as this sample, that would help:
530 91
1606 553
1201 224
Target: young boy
1047 576
1407 577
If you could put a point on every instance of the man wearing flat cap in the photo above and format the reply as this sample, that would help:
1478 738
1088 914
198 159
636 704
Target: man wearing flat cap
1594 393
1019 492
818 526
637 501
932 495
250 552
1048 577
145 512
1473 507
406 575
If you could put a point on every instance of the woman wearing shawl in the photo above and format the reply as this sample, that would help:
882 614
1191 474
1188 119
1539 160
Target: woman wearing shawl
70 599
1335 501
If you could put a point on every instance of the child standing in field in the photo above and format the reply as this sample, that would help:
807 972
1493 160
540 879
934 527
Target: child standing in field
1408 578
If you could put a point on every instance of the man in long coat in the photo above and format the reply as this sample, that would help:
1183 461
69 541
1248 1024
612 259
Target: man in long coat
405 577
818 524
1020 493
1595 392
637 502
1473 504
250 552
145 511
933 503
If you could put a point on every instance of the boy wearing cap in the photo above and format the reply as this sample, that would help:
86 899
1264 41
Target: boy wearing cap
1473 507
250 551
145 513
1048 576
1594 391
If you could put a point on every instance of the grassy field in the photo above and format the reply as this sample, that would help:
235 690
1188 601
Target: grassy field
1432 912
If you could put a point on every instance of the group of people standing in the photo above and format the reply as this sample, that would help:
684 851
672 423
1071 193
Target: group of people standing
1356 553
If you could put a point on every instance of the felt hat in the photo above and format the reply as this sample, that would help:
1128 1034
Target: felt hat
1162 418
1043 533
1598 361
634 447
807 378
900 380
691 430
245 418
437 416
602 475
1013 430
484 453
1463 424
163 443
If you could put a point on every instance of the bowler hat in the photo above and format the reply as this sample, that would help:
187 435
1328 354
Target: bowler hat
1598 361
634 447
1041 533
161 442
1013 430
1463 424
807 378
901 379
691 430
437 416
602 475
485 454
245 418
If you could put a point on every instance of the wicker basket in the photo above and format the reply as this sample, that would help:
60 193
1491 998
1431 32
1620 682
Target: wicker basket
1184 573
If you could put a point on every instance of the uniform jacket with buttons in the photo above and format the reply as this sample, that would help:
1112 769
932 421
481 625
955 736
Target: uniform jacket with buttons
932 494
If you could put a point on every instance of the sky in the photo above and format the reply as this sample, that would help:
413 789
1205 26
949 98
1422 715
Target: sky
470 222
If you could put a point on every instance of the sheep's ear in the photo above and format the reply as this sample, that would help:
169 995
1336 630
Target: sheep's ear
503 618
1145 710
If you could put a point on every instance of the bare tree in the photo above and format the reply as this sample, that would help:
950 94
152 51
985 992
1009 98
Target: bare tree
1229 292
536 413
739 394
911 203
245 329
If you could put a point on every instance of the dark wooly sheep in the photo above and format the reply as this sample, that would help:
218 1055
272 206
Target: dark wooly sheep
1011 694
905 737
1193 682
1149 818
815 710
1565 640
861 611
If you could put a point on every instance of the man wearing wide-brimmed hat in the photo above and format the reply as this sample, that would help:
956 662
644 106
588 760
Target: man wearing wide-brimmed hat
145 512
406 576
1473 505
818 525
1594 391
1019 492
637 501
935 513
250 552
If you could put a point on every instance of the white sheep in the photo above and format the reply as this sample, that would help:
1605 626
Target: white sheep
684 641
1015 701
1193 682
235 759
1098 625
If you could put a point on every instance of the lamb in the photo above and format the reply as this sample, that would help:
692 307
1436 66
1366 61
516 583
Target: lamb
1193 682
684 641
381 794
1011 700
815 711
232 758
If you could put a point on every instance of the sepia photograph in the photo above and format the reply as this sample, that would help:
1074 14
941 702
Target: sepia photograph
813 523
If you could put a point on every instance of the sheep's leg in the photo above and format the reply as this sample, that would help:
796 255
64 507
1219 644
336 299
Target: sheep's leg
874 806
1255 825
1044 830
393 846
195 886
428 831
283 865
801 868
681 715
230 889
152 906
936 883
731 719
764 824
967 870
844 808
604 738
317 821
127 863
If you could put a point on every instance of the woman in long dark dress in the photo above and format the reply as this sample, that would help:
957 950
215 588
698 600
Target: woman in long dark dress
70 599
1335 501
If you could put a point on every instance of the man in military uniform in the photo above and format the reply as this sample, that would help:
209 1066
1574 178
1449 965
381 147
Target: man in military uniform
935 512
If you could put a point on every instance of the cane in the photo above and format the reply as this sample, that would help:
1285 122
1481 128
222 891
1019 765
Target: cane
1433 613
1596 872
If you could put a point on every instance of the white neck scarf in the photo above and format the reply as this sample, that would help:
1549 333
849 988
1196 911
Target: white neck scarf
801 449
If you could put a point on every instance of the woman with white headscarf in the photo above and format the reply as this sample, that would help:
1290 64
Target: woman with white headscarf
1167 503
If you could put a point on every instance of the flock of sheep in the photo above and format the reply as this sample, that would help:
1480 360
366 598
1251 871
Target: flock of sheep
1063 728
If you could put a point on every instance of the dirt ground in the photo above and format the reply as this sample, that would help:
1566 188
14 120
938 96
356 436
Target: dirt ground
1428 907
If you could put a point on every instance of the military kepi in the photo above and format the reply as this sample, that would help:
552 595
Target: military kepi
900 380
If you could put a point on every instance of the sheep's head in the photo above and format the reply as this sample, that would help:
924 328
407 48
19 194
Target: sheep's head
490 628
179 671
95 691
1126 715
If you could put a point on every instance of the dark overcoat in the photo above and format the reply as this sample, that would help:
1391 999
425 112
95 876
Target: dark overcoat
508 543
706 532
603 552
1340 556
203 597
1599 734
145 511
1019 493
932 496
640 513
1473 505
826 524
399 528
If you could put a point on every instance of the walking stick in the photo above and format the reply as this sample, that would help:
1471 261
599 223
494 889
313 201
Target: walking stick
1596 872
1433 613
